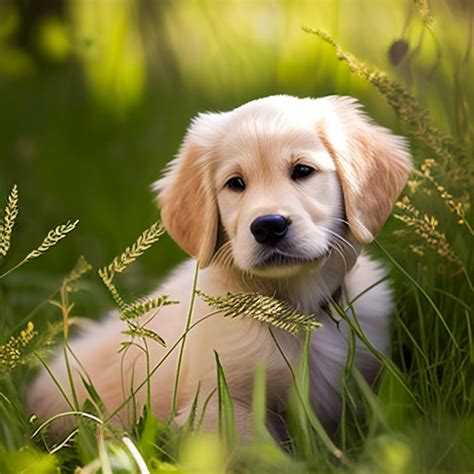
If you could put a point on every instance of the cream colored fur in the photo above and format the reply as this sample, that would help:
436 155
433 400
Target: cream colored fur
360 170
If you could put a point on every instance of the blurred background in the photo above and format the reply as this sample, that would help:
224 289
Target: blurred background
95 96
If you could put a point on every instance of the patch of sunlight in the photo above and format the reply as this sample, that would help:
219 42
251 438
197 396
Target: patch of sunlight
225 47
389 455
27 460
108 43
203 453
304 63
53 39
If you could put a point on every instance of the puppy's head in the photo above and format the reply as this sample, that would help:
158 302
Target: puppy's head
274 185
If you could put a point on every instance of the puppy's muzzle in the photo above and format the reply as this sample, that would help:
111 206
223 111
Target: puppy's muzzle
269 229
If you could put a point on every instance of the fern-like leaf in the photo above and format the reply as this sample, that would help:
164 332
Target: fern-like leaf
143 243
54 236
12 352
9 217
112 289
138 331
42 344
81 268
263 308
143 306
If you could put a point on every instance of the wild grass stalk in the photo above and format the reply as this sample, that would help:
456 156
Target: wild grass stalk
183 342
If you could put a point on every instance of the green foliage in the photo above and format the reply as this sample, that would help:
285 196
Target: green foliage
259 406
145 305
79 270
130 254
227 427
134 310
137 331
27 460
54 236
22 349
203 453
12 352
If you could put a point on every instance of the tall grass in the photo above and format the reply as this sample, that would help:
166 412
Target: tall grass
420 418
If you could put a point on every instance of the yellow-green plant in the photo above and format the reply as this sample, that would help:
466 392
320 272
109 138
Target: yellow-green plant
418 123
8 221
20 349
266 309
119 264
53 237
442 147
12 351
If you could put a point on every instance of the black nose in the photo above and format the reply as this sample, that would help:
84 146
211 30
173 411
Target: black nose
269 229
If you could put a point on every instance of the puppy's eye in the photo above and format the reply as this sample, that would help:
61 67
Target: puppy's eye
236 184
301 171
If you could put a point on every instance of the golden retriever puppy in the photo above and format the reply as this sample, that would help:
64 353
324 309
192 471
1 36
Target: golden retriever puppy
277 196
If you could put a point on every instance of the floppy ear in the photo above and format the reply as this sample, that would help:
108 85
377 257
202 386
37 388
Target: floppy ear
185 192
372 163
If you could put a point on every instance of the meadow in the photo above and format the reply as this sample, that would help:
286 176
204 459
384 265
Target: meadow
95 98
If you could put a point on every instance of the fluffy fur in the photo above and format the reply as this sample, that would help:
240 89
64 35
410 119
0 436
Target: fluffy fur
360 168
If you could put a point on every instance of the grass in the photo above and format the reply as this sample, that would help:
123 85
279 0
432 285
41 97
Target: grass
419 419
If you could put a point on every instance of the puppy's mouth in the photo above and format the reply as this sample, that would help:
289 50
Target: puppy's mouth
280 259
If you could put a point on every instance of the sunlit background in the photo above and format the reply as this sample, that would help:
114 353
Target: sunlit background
95 96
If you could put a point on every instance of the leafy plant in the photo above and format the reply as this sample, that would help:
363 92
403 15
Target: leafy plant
263 308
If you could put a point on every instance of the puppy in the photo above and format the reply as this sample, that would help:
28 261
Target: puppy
277 196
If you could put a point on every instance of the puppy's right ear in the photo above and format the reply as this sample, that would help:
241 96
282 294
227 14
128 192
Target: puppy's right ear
186 193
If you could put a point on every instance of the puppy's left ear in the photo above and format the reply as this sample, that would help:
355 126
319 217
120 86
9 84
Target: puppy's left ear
185 192
372 163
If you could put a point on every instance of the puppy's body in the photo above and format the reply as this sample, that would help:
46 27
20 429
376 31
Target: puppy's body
323 173
241 344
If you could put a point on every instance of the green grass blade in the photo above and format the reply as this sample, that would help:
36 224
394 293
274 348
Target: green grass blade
303 399
227 427
259 406
421 289
183 341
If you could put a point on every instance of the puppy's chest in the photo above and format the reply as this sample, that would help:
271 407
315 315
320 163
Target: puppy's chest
241 344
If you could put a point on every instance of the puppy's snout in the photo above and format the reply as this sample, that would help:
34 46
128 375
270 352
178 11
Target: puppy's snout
269 229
